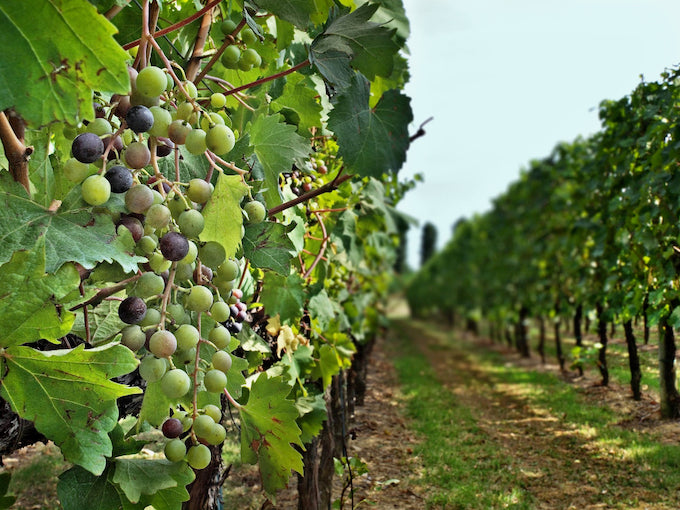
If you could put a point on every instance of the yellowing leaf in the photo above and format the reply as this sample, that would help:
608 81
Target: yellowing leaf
223 217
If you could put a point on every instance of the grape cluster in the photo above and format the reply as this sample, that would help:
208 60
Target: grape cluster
182 308
240 55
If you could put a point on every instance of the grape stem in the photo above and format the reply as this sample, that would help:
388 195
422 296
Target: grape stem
214 158
194 64
166 293
329 186
228 86
322 248
231 399
177 25
16 151
228 41
106 292
266 79
168 66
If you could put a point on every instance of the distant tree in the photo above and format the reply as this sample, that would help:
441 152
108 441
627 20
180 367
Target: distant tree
429 243
400 261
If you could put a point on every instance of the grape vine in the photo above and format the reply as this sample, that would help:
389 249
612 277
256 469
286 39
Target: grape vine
200 220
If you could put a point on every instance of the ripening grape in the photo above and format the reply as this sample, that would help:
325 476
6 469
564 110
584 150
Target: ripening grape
199 191
230 57
87 148
120 178
139 118
152 368
174 246
218 100
195 141
175 383
175 450
151 81
139 198
178 131
132 310
96 190
212 254
172 428
161 121
162 344
219 311
137 155
149 284
255 210
199 299
133 337
220 139
191 223
187 336
158 216
220 336
199 456
221 360
215 381
133 225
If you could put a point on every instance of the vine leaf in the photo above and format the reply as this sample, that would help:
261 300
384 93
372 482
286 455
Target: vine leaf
268 246
297 12
71 234
78 55
69 397
29 298
137 477
276 146
5 501
372 140
103 321
78 488
222 213
368 45
284 296
269 431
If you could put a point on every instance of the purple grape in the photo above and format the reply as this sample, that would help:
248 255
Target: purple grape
120 178
87 148
139 118
172 428
174 246
132 310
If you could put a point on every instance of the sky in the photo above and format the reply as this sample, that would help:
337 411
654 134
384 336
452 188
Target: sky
507 80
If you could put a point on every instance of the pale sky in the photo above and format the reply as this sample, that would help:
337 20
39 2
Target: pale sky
506 80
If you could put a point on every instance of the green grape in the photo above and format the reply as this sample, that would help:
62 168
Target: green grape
162 343
133 337
190 89
96 190
151 81
175 450
161 121
158 216
157 197
215 381
199 299
175 383
184 111
203 424
147 244
152 368
191 255
256 211
228 270
212 119
158 262
199 191
139 198
214 412
137 155
243 65
225 286
251 57
149 284
184 357
220 336
199 456
76 171
212 254
184 271
187 336
218 100
217 435
191 223
195 142
99 127
227 27
176 311
152 317
221 360
219 311
248 36
175 203
220 139
230 57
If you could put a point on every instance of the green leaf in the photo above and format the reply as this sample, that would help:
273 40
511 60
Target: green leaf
297 12
268 246
71 235
5 501
372 140
312 409
300 97
71 54
138 476
283 296
222 213
321 308
103 322
29 298
155 405
69 397
368 45
78 489
269 431
277 146
40 166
